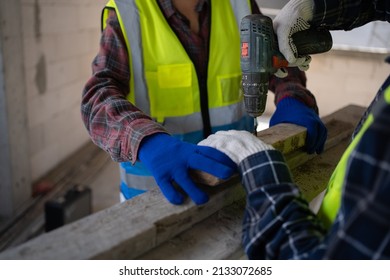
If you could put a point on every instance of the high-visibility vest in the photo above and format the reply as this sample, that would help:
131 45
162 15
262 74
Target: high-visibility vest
332 200
163 81
167 87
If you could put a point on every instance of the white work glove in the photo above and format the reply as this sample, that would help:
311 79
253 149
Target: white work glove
292 18
236 144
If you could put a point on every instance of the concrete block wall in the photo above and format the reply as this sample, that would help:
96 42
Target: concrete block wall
60 38
339 78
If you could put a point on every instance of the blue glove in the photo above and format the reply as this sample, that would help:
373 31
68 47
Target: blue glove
290 110
169 160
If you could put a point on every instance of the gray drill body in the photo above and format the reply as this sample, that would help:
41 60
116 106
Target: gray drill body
261 58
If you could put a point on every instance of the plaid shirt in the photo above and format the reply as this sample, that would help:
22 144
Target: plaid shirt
116 125
278 223
349 14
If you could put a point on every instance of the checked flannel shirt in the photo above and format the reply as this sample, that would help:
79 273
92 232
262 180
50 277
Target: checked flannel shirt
278 223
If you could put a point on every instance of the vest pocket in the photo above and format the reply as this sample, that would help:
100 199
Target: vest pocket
229 88
170 91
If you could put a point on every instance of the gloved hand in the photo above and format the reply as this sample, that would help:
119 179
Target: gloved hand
170 159
292 18
237 144
290 110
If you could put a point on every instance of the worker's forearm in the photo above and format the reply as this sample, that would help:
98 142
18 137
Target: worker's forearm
294 85
278 223
270 169
114 124
349 14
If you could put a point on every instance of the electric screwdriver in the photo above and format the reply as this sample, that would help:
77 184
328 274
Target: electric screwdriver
261 58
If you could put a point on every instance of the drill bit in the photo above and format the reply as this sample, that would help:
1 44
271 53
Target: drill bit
255 126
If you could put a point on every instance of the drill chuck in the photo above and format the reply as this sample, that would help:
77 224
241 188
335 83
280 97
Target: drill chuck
255 88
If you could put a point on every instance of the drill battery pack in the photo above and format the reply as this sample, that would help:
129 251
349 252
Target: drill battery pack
76 203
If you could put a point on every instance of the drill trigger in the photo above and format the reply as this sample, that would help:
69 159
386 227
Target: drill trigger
278 62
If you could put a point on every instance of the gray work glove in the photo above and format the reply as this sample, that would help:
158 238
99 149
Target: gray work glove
236 144
293 17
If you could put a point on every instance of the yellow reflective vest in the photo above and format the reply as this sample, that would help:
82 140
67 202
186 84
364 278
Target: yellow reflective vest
167 87
164 82
332 200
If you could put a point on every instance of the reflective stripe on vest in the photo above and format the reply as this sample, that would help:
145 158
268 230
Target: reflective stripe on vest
332 200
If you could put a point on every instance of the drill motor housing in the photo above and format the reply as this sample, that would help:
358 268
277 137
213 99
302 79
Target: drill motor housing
257 45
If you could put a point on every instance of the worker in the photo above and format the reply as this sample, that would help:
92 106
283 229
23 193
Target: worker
353 221
166 76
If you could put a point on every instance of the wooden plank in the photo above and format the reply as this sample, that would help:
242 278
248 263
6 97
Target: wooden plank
290 138
132 228
216 238
313 176
219 236
124 230
284 137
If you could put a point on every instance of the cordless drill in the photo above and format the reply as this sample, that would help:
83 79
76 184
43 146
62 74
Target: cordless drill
260 57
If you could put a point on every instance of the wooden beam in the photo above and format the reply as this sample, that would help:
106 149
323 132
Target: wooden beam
130 229
219 236
290 138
